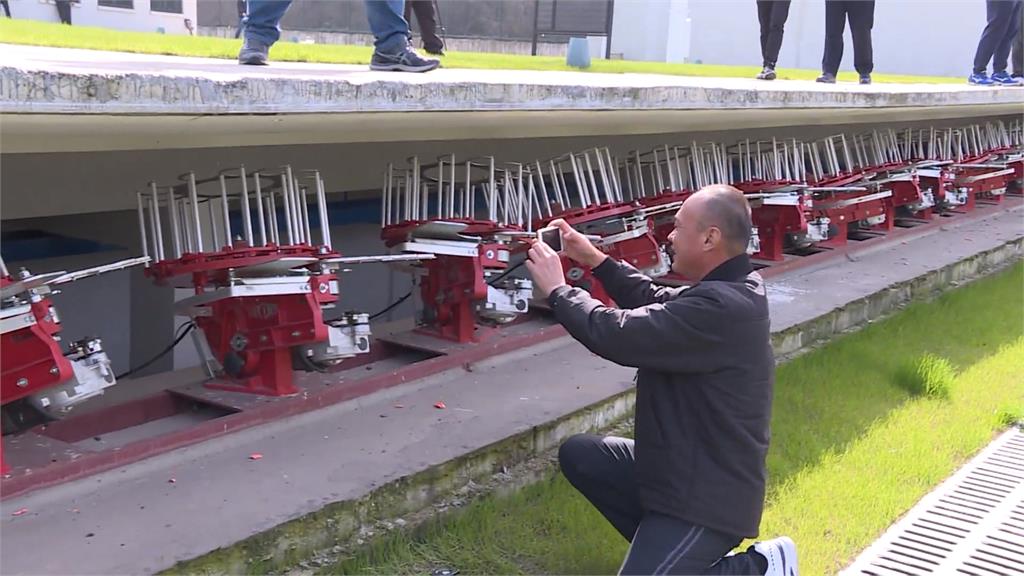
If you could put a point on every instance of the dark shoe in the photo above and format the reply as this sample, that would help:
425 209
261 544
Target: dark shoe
253 53
767 74
1004 79
405 61
434 51
979 79
865 79
827 78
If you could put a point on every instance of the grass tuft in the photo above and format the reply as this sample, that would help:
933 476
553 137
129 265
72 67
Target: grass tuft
929 375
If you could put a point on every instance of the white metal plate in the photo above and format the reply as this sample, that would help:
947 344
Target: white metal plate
972 524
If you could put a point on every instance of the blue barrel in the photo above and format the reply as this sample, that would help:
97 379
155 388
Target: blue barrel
578 54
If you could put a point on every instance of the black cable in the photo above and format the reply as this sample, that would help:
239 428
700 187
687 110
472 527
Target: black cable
391 306
506 272
188 328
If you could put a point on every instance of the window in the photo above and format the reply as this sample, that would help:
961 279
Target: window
169 6
126 4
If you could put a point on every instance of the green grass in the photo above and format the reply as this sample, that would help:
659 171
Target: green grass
49 34
852 449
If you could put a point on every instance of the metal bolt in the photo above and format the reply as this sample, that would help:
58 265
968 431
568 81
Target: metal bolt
489 254
22 382
323 288
54 370
296 334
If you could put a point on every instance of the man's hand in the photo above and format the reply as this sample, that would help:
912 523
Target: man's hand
546 268
577 247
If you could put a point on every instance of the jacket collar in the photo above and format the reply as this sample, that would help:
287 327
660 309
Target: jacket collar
734 269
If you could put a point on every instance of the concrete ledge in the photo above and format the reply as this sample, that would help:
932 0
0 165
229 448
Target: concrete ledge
48 80
865 310
284 546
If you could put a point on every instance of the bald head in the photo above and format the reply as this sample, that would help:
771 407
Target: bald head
727 209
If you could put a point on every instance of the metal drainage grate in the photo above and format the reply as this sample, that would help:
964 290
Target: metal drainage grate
973 523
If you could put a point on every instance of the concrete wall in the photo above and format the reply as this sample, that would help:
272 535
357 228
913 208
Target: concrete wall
909 37
90 13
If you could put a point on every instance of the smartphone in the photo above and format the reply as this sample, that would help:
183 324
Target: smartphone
552 237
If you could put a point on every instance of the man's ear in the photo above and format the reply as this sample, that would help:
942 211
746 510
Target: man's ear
712 238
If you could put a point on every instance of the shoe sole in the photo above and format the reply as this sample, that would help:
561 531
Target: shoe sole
789 554
253 61
403 67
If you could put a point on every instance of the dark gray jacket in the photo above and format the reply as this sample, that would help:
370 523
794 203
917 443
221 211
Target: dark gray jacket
704 386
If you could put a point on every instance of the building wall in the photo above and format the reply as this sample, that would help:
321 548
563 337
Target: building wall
89 13
909 36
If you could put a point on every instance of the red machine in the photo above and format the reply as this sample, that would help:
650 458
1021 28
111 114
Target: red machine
467 285
768 172
259 303
980 163
584 189
772 175
39 380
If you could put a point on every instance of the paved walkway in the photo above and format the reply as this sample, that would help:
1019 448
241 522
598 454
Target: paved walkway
135 520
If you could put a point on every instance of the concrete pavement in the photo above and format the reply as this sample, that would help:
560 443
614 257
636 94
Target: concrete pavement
324 473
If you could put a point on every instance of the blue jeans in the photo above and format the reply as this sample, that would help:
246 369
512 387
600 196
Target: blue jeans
390 30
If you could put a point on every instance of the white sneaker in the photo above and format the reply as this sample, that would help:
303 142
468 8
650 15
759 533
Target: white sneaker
781 556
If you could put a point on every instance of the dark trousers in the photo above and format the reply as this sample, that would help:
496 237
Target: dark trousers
861 14
1003 23
7 8
426 17
772 15
1017 53
64 11
603 470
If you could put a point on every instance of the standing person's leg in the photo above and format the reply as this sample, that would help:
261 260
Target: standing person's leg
1002 53
260 29
7 8
64 11
779 15
1017 54
389 27
862 20
835 25
764 20
426 17
998 12
602 469
391 38
242 8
